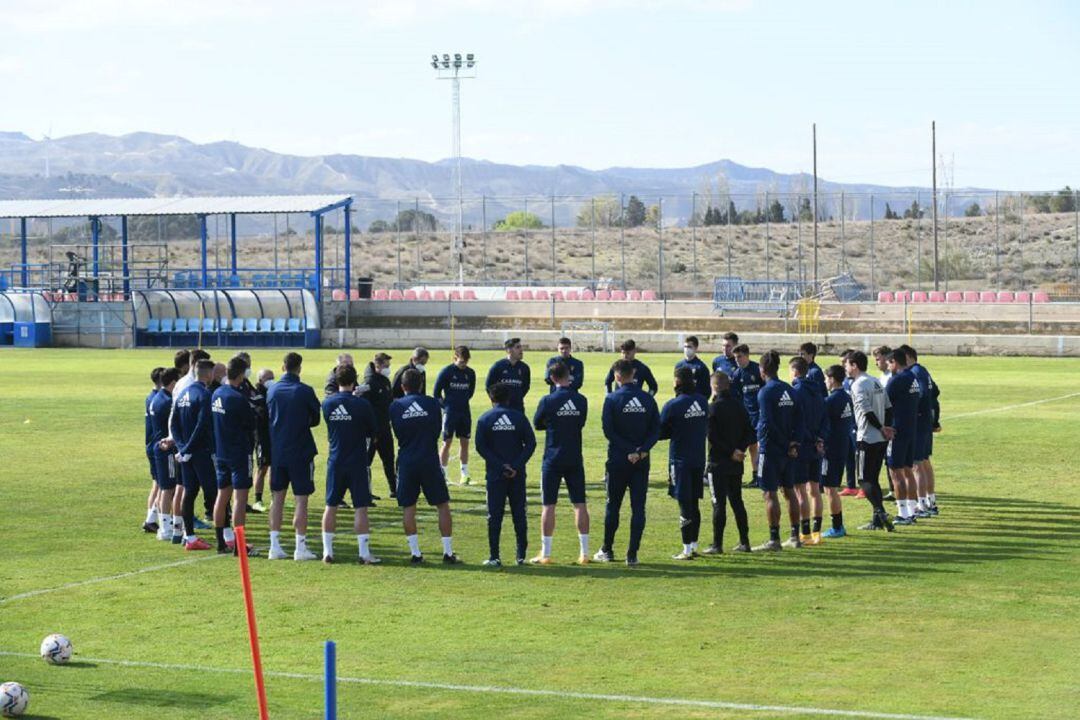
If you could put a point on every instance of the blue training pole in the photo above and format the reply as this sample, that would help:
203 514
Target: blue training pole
331 680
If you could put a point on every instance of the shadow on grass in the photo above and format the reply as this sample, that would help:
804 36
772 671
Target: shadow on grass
163 698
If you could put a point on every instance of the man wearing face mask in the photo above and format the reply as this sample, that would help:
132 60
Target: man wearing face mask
416 362
699 369
377 390
513 372
331 386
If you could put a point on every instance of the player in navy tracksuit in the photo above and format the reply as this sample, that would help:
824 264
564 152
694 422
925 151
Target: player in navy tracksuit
685 422
927 424
643 376
506 441
841 417
746 383
904 395
163 457
576 367
234 435
150 525
631 426
415 419
815 423
562 415
454 388
293 409
192 429
697 367
814 374
778 442
350 429
512 372
725 362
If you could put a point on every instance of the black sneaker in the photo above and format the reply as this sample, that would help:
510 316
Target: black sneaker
150 527
521 561
903 521
886 522
328 559
753 484
889 496
712 550
452 559
376 497
493 562
874 524
631 561
416 559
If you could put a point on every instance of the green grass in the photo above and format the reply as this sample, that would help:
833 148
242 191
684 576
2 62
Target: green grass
971 614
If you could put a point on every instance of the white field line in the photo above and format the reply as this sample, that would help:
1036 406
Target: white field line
106 578
1006 408
527 692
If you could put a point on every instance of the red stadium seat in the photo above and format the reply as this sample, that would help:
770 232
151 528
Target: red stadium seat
919 296
440 295
470 294
422 295
988 296
1040 296
395 294
971 296
542 295
603 295
354 294
587 294
337 294
648 294
526 294
884 296
903 296
954 296
380 294
572 295
410 295
1023 296
557 295
455 294
633 294
1006 296
512 295
936 296
618 295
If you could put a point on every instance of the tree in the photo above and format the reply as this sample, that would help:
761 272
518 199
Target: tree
379 226
914 212
776 212
973 210
519 220
635 212
415 221
606 209
1064 201
891 214
806 211
653 217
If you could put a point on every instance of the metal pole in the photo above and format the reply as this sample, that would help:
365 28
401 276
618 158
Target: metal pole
202 251
124 255
416 233
660 238
348 247
318 258
275 246
843 236
483 237
997 238
593 251
526 243
232 242
1020 245
553 262
798 241
815 208
727 220
918 241
622 236
457 241
95 237
945 242
768 258
1076 232
23 252
933 160
693 242
873 258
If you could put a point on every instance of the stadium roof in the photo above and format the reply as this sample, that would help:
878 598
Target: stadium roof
115 207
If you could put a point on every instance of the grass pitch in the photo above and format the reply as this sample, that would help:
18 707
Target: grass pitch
971 614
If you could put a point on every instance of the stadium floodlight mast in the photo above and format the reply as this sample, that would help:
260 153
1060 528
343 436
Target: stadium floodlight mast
456 69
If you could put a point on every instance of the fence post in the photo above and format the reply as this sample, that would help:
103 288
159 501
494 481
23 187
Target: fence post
918 242
693 241
997 238
945 243
622 236
592 254
768 257
1076 233
483 236
843 236
660 238
416 233
1020 244
526 233
553 261
873 257
1031 311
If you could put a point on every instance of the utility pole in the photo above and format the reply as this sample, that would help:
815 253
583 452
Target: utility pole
455 71
815 208
933 161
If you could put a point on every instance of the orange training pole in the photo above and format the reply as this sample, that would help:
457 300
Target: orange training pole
253 633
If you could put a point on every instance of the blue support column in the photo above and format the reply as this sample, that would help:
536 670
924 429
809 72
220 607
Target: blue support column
318 259
232 241
124 255
22 252
348 248
95 238
202 251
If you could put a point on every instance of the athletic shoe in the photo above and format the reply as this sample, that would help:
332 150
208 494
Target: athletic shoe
849 492
328 559
251 552
933 510
683 556
303 555
150 527
258 507
451 559
923 514
277 554
741 548
889 496
492 562
874 524
713 550
200 525
770 546
792 543
815 539
542 560
520 561
886 522
860 494
583 560
603 556
835 533
369 560
231 544
416 559
903 521
164 535
222 550
177 539
631 561
753 484
393 495
807 539
197 544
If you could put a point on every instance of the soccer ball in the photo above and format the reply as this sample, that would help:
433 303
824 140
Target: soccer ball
13 699
56 649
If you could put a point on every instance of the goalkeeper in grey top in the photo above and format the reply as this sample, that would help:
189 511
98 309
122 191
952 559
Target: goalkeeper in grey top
873 420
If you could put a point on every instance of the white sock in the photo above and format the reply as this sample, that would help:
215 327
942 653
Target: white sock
464 468
151 515
414 544
166 522
932 497
230 536
301 542
327 544
364 543
912 506
190 538
687 548
694 546
275 540
901 508
178 525
545 545
583 540
447 546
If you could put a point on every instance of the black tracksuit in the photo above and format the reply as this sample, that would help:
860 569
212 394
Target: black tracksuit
729 430
379 394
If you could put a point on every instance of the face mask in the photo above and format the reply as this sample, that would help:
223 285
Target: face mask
689 353
385 372
419 367
247 373
268 383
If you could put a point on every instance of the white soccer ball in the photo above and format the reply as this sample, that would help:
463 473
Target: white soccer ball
13 699
56 649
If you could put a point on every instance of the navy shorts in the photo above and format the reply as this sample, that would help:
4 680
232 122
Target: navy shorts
775 472
236 475
552 477
832 470
924 441
198 472
354 478
165 469
901 452
689 481
456 425
411 481
806 470
301 476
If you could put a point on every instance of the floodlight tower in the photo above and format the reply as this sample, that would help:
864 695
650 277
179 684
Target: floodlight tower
456 70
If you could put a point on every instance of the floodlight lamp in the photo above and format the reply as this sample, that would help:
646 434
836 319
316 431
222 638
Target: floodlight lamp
457 57
434 58
445 58
435 64
470 57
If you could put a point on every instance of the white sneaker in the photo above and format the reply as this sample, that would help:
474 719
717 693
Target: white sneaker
370 560
601 556
277 554
303 554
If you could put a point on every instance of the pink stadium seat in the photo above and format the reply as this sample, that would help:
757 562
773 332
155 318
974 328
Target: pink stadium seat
633 294
526 294
380 294
1006 296
512 295
954 296
903 296
618 295
1040 296
988 296
587 294
440 295
455 294
603 295
557 295
423 295
337 295
542 295
936 296
884 296
70 297
572 295
354 294
470 294
1023 296
648 294
395 294
918 296
410 295
971 296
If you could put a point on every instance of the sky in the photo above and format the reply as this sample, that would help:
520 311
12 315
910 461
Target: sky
594 83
